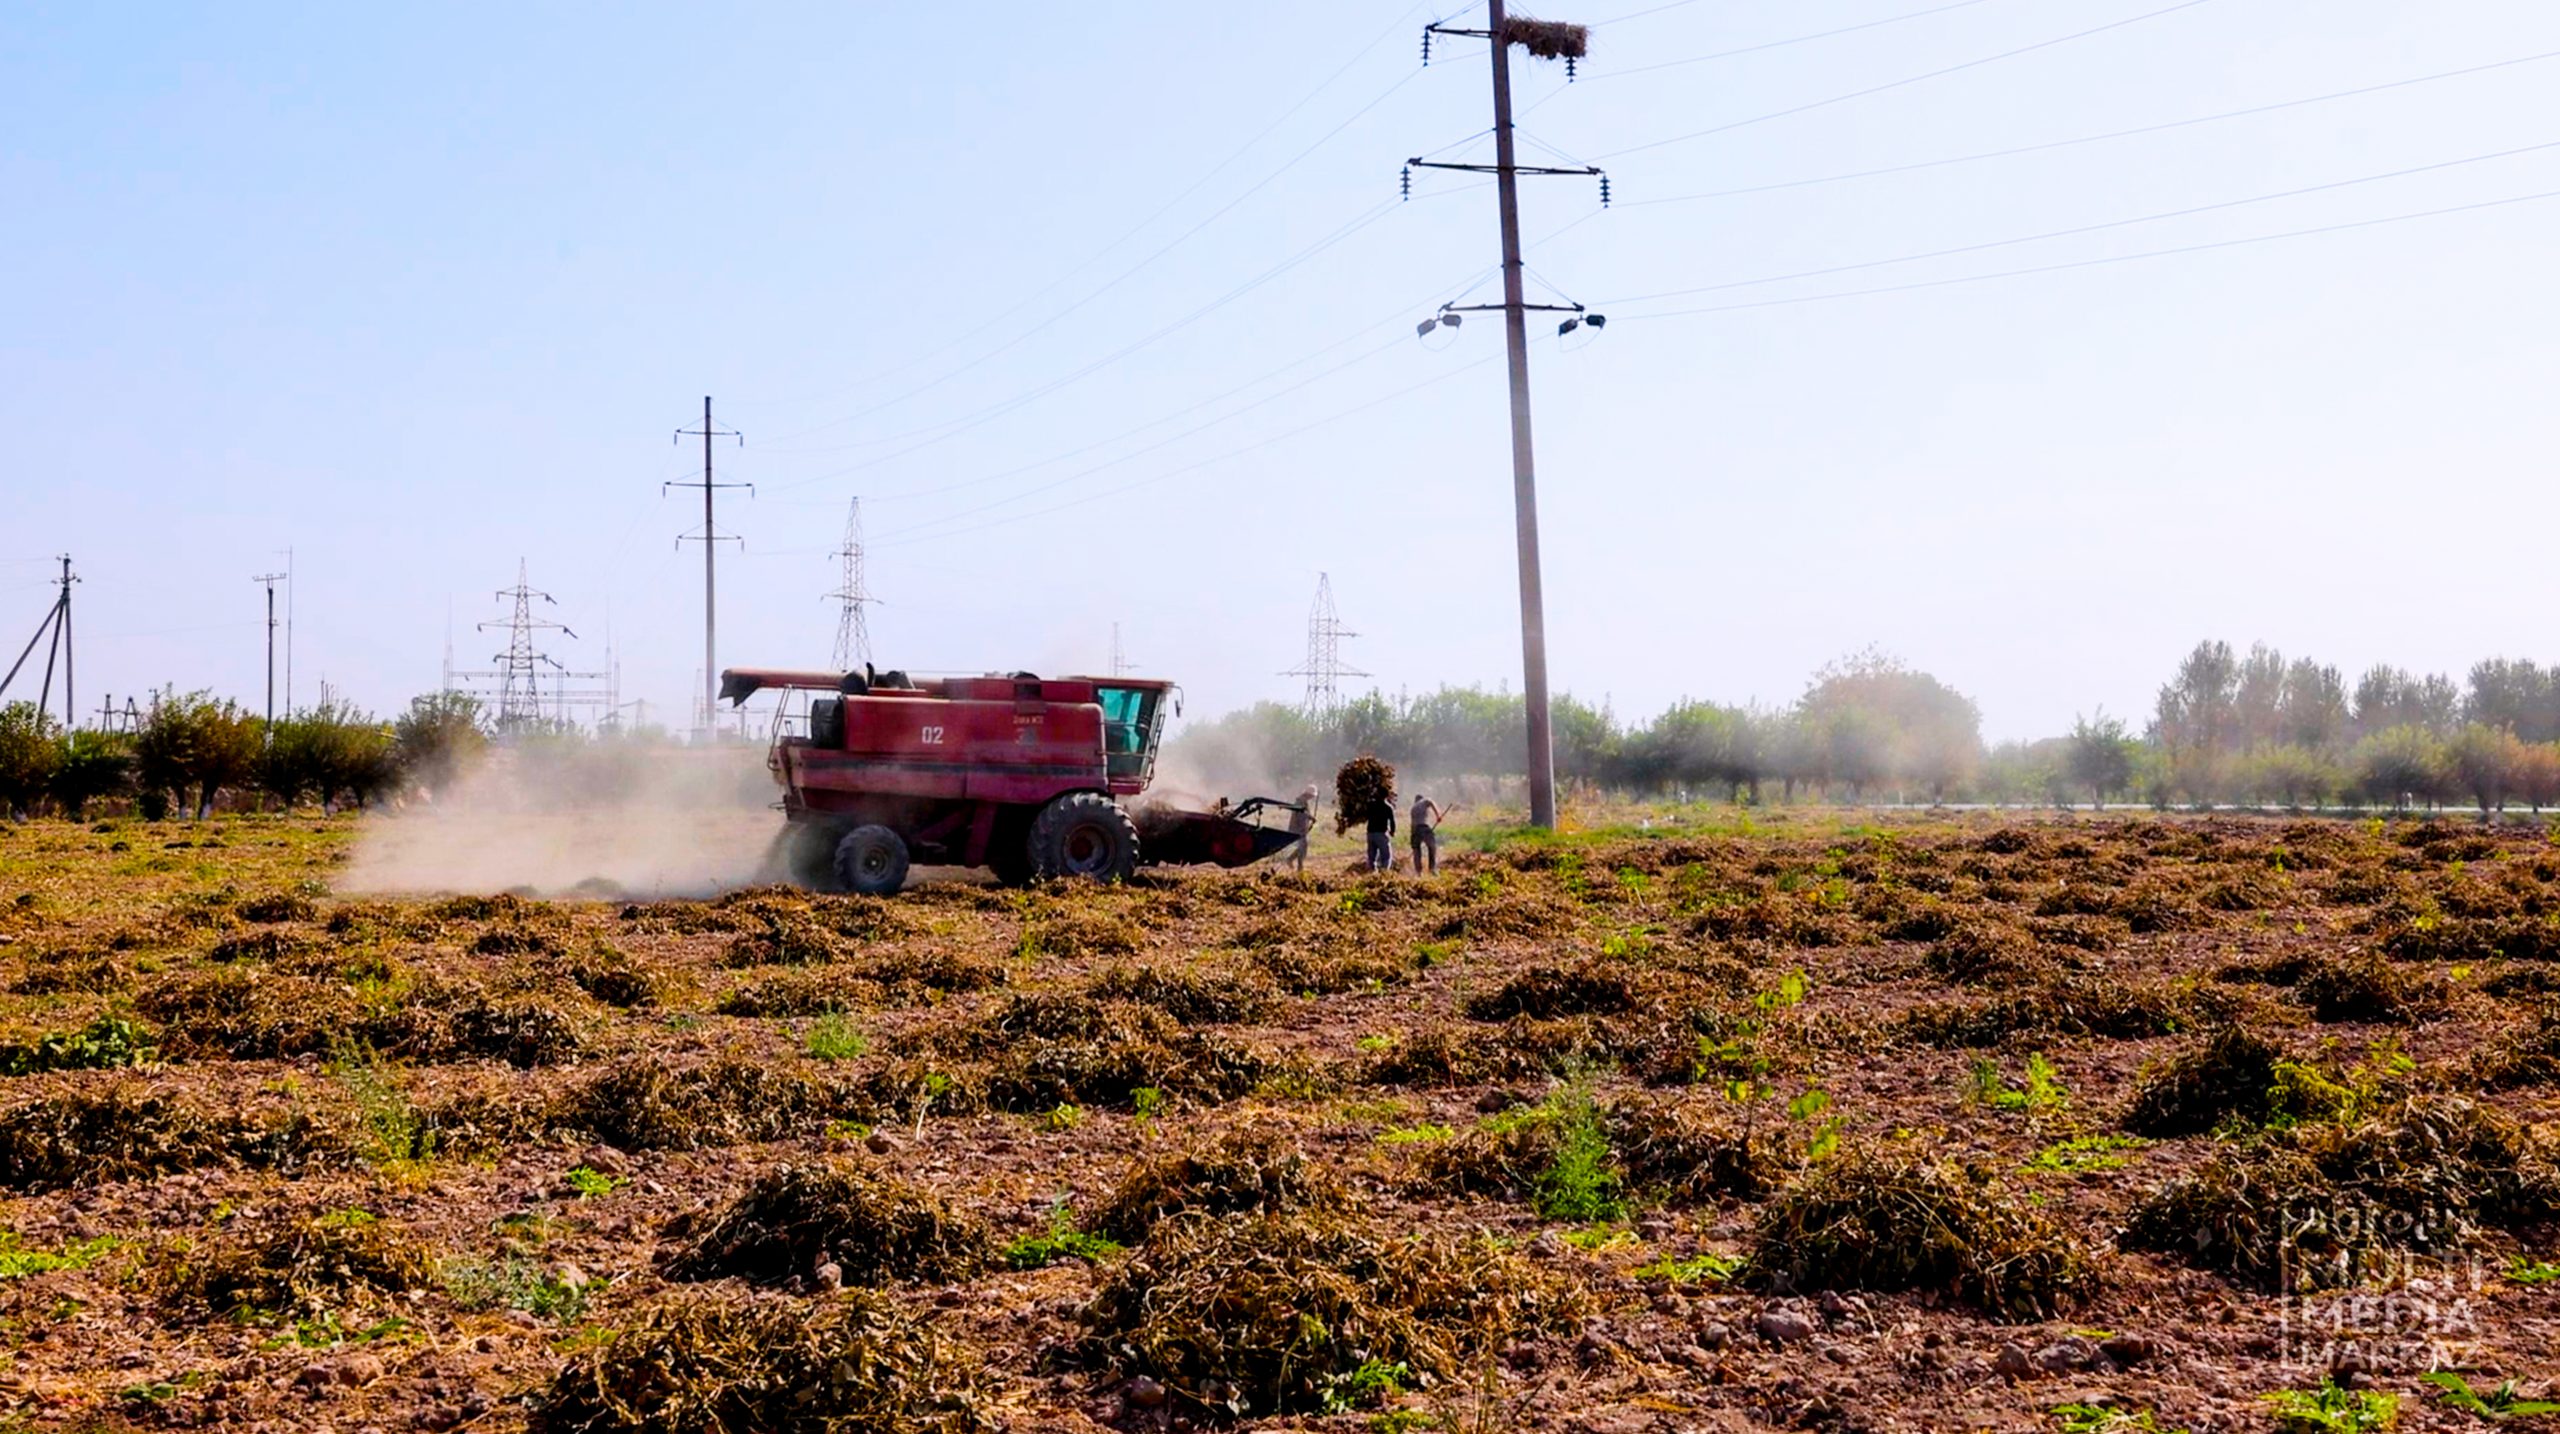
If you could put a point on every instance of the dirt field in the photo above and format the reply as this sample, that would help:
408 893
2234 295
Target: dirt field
2110 1123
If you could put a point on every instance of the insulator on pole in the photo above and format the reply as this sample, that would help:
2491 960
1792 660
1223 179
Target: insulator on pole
1604 191
1404 179
1568 69
1426 49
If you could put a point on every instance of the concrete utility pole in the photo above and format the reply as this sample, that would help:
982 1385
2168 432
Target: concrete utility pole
1553 41
270 579
710 540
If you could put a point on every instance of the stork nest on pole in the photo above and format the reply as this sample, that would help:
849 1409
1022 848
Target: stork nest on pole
1547 39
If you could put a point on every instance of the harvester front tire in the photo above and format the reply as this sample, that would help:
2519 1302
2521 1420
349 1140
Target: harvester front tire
1084 834
871 861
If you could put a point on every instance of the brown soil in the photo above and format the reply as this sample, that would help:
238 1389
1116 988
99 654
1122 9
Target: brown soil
1832 1127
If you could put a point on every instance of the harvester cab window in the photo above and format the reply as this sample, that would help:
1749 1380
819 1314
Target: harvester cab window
1128 728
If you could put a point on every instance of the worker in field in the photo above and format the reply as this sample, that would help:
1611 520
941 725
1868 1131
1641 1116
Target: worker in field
1302 822
1425 828
1382 832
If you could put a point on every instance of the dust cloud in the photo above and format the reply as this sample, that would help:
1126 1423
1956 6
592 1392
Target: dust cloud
603 820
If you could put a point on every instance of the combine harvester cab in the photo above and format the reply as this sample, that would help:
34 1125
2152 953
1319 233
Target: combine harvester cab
1023 775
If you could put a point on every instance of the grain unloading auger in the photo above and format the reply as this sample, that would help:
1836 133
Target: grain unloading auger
1023 775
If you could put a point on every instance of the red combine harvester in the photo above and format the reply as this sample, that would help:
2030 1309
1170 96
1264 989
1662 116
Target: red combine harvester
1022 775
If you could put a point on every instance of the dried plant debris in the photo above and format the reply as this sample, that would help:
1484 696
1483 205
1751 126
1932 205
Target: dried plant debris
2325 1205
1251 1315
1259 1168
1876 1221
873 1228
308 1266
722 1363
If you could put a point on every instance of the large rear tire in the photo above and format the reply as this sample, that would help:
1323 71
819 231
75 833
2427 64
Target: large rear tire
1084 834
871 861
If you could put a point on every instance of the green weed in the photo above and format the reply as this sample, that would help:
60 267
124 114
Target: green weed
1422 1133
105 1043
2332 1410
2085 1154
517 1284
833 1038
1581 1183
2099 1419
1704 1268
2500 1403
2042 1092
16 1260
2526 1271
587 1183
1062 1240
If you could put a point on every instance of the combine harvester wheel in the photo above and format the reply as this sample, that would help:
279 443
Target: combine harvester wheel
871 861
1084 834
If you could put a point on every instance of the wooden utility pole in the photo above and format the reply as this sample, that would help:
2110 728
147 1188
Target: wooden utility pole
1568 42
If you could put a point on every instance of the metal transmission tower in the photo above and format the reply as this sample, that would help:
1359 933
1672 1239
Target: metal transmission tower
853 629
55 632
271 579
518 677
1549 40
1323 668
1119 654
710 539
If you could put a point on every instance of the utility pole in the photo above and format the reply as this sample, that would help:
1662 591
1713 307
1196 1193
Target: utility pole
55 632
710 540
853 628
271 579
1550 40
70 709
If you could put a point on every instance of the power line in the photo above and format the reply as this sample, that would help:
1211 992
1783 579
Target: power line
1133 270
957 427
1790 40
1972 64
1142 225
2077 140
1162 443
2091 228
2104 260
916 535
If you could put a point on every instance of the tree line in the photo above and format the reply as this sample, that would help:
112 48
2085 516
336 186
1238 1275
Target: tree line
190 748
2250 729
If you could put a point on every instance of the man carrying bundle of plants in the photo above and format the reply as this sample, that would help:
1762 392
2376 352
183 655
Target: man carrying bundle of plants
1365 791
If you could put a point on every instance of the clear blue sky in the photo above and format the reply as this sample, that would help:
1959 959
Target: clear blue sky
420 290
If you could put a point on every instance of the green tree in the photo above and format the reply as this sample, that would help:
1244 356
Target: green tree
2399 765
2483 761
193 746
2100 757
440 734
93 765
2290 773
30 750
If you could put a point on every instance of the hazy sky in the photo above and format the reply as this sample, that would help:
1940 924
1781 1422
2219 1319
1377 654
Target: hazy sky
422 290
